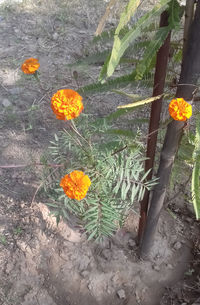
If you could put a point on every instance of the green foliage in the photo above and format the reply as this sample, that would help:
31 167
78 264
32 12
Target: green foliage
159 38
122 51
121 45
175 13
151 51
196 171
114 167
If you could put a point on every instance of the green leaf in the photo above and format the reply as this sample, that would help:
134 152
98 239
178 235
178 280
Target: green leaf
196 171
196 187
127 14
123 188
96 58
57 219
117 82
120 45
110 146
134 192
132 96
124 19
151 51
103 72
142 102
118 113
185 151
122 132
107 36
175 13
93 234
52 205
178 56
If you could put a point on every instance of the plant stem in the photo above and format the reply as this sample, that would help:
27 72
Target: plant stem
39 82
189 13
31 164
189 75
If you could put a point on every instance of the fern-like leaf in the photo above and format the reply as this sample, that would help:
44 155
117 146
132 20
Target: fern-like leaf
152 49
117 82
96 58
175 13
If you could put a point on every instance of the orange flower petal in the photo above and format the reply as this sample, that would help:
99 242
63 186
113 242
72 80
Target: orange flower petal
180 110
66 104
30 66
75 185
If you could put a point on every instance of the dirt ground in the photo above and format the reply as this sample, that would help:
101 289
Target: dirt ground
40 263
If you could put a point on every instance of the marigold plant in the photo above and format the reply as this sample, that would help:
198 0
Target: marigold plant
66 104
30 65
180 110
75 185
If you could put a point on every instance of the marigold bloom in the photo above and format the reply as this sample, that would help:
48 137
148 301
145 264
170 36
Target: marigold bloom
30 66
75 185
66 104
180 110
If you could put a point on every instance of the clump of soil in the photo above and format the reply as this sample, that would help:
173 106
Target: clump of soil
41 262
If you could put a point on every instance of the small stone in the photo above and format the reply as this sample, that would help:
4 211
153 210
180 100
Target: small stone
105 243
90 286
197 302
121 294
106 253
55 36
16 90
116 279
189 219
6 103
131 243
177 245
85 273
156 267
169 266
85 261
110 290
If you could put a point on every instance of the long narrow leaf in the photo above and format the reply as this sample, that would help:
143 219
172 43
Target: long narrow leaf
120 45
196 171
141 103
196 188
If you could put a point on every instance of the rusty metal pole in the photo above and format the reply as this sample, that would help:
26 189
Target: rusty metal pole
159 83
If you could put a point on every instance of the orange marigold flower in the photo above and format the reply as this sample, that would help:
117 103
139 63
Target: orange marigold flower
180 110
66 104
30 66
75 185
